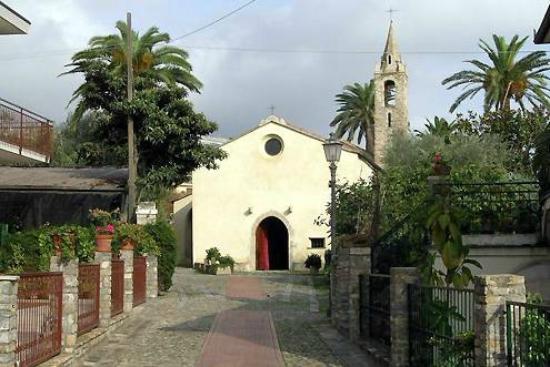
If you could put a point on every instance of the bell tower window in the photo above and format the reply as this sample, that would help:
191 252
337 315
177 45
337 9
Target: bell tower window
389 119
389 59
389 92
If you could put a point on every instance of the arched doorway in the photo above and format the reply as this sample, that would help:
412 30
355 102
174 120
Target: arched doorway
271 245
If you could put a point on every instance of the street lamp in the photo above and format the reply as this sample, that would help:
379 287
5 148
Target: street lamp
333 149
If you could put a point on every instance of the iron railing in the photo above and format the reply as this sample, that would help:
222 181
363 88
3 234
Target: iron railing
441 326
117 286
25 129
407 236
527 334
140 279
88 297
375 307
504 207
39 312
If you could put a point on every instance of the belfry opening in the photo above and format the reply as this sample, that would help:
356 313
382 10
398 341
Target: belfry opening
271 245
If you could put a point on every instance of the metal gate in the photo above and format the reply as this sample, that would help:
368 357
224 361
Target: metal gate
39 311
527 334
441 326
88 297
375 307
117 287
140 279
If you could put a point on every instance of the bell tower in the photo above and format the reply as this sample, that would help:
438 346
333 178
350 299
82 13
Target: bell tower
390 102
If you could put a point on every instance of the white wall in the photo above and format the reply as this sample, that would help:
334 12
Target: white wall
250 178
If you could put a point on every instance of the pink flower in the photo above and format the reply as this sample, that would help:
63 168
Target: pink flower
110 228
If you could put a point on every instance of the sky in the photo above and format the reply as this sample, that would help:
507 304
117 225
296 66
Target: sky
435 37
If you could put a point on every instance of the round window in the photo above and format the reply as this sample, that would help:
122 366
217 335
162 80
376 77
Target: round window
273 146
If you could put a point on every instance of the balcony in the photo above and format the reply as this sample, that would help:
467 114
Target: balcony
25 137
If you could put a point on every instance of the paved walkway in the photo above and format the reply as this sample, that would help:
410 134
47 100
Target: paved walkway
255 312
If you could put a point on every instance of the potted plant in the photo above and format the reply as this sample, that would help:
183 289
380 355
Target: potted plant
313 263
128 235
225 265
104 229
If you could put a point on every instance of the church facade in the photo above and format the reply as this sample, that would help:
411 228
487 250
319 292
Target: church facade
260 206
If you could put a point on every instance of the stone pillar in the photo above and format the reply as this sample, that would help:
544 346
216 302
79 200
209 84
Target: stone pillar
490 295
104 261
70 300
351 261
8 320
400 278
128 257
359 264
152 277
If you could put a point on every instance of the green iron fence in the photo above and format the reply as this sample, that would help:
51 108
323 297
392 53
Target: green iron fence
528 334
375 307
441 326
503 207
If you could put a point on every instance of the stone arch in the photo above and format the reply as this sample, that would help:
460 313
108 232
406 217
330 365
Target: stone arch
390 93
252 241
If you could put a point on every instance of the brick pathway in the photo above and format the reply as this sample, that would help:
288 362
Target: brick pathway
172 330
242 338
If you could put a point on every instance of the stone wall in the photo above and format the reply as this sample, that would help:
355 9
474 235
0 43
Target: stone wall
104 261
349 262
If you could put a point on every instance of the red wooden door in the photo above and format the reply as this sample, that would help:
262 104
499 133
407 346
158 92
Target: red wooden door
262 249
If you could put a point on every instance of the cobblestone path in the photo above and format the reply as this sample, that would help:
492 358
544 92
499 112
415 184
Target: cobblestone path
171 330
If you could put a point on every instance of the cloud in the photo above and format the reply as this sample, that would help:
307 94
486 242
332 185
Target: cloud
240 86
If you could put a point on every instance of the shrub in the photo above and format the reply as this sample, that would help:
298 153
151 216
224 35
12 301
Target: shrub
22 252
313 261
163 235
212 254
226 262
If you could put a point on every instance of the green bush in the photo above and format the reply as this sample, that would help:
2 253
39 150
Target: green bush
141 238
226 262
165 238
313 261
21 252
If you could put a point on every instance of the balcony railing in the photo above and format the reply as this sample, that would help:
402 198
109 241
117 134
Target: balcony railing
23 130
508 207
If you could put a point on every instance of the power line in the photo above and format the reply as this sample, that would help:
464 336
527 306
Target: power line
225 16
271 50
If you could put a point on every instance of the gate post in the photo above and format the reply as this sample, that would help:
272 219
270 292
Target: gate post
491 292
152 276
104 261
69 328
8 320
128 257
400 278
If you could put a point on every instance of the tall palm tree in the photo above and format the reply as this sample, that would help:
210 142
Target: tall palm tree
356 112
439 127
505 77
152 58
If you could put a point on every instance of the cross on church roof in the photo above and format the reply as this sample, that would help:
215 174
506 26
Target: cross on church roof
272 109
391 11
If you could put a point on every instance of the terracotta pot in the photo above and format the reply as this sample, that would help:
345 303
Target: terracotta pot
103 242
127 244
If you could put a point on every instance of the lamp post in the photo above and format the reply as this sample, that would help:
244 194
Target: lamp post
333 149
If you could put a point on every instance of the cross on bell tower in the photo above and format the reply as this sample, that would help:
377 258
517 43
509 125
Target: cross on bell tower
390 102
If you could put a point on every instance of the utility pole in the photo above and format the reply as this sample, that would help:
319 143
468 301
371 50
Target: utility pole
132 159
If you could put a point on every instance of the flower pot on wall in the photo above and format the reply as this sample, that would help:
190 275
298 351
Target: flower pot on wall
103 242
127 244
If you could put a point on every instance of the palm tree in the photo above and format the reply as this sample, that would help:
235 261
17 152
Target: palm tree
356 112
506 77
439 127
152 59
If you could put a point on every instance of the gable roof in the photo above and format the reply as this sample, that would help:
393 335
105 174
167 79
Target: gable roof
279 121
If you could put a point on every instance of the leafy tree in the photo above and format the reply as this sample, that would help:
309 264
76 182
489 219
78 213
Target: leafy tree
505 78
517 129
152 59
356 112
168 130
439 127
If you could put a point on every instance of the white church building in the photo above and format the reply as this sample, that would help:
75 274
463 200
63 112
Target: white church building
260 206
